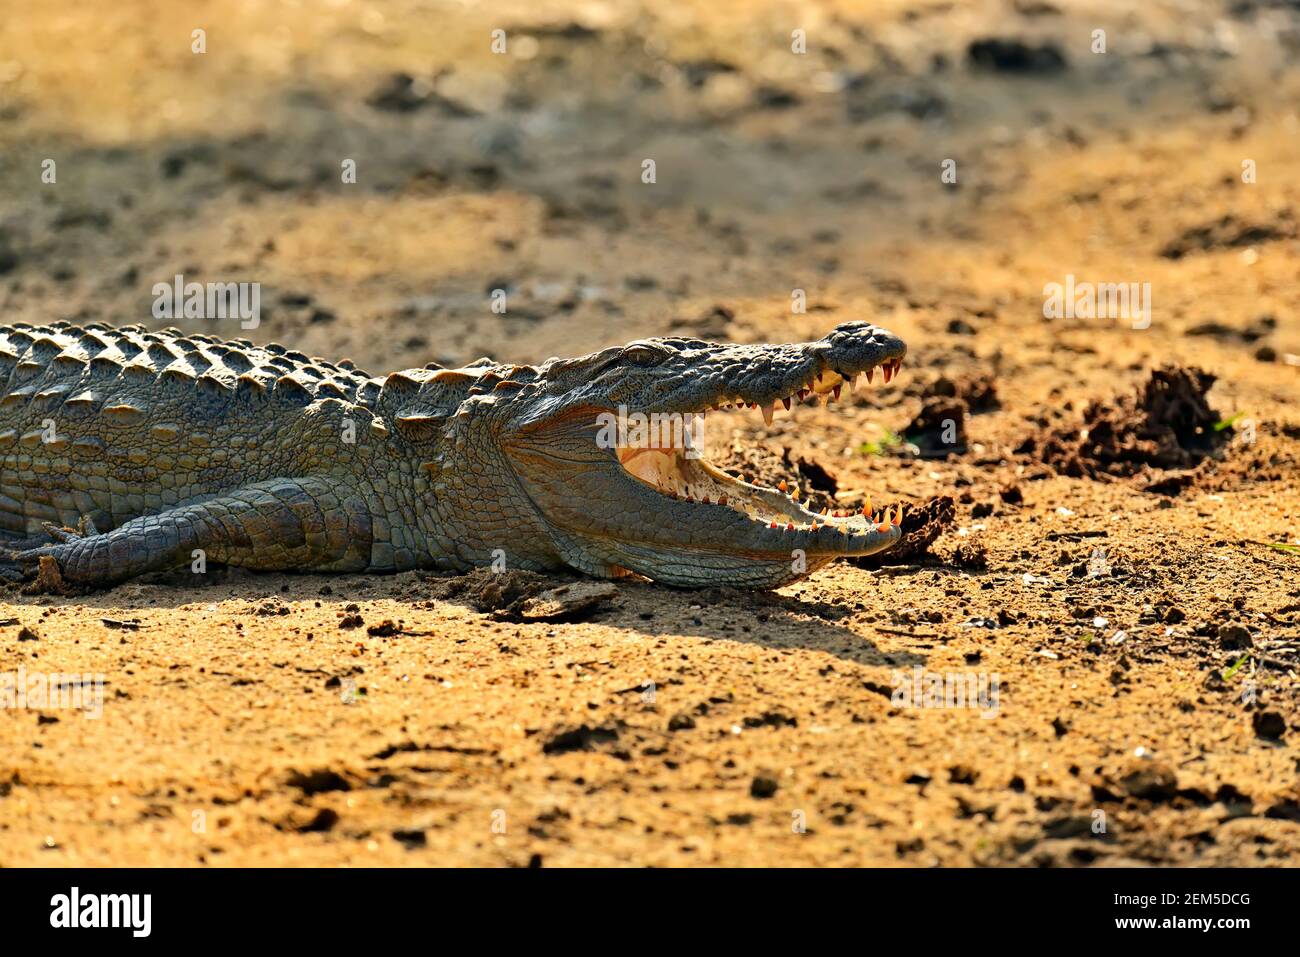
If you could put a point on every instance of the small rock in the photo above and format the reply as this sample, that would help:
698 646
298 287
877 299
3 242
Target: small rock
773 719
1015 56
1268 724
774 98
763 786
1234 637
411 839
1067 827
581 738
324 820
402 93
317 781
1152 782
962 774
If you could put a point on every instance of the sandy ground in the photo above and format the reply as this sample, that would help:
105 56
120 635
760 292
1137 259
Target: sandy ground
1144 641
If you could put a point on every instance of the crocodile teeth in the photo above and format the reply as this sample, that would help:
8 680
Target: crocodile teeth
888 370
768 411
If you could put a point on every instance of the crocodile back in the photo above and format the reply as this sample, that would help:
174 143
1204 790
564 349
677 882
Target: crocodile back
114 422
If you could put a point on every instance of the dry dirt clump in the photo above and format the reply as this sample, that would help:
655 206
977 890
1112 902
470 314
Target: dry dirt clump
1167 424
524 596
922 524
485 591
940 427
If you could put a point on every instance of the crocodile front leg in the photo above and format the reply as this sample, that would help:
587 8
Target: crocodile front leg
310 524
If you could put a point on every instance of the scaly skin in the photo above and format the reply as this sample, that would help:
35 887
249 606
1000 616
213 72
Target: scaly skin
161 447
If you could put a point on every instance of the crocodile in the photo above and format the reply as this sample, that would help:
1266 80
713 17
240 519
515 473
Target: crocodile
125 451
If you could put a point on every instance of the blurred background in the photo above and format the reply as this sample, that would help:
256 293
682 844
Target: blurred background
775 170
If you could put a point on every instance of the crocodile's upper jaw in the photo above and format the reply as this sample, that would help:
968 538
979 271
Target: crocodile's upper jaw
647 502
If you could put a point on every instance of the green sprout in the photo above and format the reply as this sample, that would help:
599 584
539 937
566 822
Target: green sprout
1235 668
885 444
1227 423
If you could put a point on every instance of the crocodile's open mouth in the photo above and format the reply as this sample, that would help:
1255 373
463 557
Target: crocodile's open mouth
664 452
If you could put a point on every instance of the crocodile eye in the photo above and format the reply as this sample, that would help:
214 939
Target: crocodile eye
642 354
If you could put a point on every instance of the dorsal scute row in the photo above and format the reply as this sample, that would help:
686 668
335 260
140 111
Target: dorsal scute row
93 365
425 396
62 358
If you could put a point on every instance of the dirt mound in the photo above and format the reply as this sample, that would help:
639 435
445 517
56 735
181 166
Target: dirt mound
1167 424
939 428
